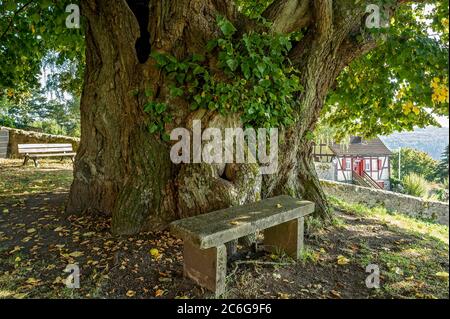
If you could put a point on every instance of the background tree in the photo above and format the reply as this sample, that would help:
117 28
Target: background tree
414 161
249 63
442 168
39 111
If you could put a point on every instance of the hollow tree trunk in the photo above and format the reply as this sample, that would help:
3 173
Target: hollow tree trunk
124 171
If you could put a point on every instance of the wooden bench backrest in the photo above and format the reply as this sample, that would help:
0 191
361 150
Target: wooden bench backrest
44 148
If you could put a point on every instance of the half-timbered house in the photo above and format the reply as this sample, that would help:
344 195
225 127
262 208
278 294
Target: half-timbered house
362 162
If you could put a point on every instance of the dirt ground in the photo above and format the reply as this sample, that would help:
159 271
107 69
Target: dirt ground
38 240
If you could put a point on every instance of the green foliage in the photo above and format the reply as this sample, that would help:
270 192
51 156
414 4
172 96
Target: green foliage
442 194
38 112
33 35
396 87
442 168
401 84
415 185
159 116
252 8
255 78
414 161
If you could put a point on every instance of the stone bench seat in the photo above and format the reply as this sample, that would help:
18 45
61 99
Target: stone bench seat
205 257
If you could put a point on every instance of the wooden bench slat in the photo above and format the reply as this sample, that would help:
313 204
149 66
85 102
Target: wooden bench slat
219 227
51 155
46 150
24 146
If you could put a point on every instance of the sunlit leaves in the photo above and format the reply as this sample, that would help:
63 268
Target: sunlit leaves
389 89
29 31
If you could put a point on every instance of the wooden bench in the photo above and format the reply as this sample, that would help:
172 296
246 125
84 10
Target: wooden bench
36 151
205 255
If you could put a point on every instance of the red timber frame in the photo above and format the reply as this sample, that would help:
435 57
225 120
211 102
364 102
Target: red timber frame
384 165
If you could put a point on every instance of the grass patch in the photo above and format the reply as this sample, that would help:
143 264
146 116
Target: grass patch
413 225
52 176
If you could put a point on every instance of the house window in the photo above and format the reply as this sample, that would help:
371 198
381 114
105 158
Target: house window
348 164
375 166
367 165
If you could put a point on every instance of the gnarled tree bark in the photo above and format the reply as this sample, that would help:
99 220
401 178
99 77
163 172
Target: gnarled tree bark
123 170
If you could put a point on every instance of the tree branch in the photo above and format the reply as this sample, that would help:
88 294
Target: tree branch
23 7
288 15
323 16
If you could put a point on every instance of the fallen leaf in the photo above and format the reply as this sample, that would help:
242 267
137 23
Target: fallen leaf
283 295
154 252
89 234
31 230
442 275
398 271
131 293
335 293
32 281
159 293
279 206
341 260
76 254
20 295
16 249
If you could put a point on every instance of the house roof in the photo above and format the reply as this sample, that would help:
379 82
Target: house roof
361 147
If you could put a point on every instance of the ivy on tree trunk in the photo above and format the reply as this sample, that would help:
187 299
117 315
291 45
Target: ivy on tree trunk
124 170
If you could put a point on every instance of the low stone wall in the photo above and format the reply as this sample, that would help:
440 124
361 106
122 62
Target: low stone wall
404 204
17 136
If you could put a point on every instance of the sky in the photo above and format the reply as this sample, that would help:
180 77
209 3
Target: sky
443 120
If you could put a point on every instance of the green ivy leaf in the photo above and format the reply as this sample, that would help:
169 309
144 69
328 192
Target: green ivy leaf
226 26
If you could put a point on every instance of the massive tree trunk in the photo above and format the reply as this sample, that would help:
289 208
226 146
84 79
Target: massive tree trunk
123 170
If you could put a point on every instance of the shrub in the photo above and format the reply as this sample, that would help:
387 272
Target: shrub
415 185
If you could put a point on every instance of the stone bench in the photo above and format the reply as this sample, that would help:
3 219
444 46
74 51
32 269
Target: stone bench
205 256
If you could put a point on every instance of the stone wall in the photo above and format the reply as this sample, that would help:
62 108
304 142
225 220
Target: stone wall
17 136
404 204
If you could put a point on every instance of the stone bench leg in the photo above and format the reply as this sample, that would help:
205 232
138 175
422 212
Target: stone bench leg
207 267
287 237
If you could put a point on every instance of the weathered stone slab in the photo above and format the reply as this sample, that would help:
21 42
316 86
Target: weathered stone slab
287 237
206 267
219 227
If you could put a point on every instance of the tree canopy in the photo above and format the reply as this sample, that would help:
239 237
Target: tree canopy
402 83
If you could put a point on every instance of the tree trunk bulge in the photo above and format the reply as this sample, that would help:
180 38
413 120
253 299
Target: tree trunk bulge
123 170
